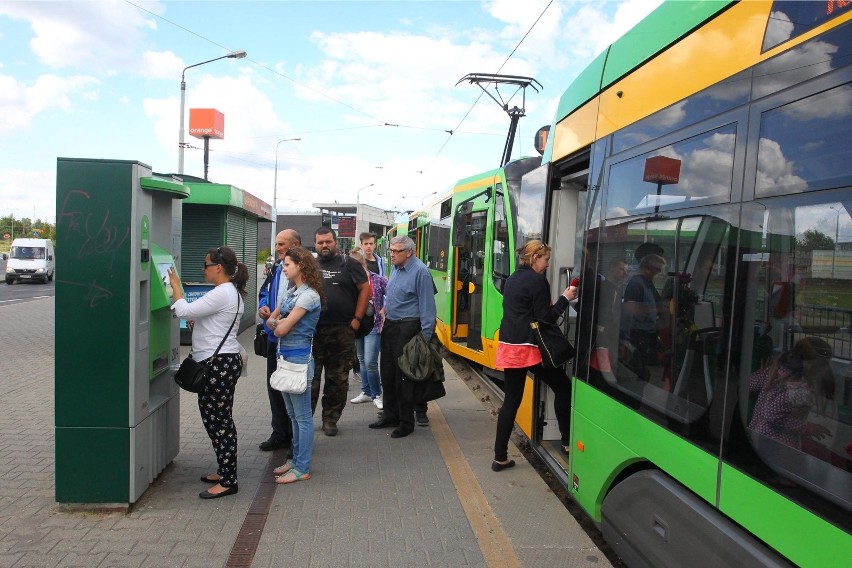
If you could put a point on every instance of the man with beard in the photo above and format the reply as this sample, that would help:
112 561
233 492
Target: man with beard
347 293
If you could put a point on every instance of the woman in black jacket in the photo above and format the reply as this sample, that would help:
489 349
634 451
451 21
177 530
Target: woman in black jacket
526 297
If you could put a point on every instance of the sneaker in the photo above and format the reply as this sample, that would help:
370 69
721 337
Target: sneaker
361 398
378 402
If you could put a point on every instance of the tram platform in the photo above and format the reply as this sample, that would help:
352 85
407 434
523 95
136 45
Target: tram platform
429 499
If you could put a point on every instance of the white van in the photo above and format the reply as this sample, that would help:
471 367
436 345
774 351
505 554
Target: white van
30 259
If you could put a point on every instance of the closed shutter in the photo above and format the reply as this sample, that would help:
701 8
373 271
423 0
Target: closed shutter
202 230
251 263
240 238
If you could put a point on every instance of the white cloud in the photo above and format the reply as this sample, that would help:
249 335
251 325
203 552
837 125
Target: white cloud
103 37
18 198
19 102
161 65
773 169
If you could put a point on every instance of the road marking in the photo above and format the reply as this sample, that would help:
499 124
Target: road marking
493 542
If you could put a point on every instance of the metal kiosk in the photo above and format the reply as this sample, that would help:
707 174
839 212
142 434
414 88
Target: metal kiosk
117 344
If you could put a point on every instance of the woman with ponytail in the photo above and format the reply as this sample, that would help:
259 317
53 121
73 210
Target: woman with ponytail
214 318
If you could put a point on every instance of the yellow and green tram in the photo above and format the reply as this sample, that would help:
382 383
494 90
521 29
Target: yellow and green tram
465 237
383 240
717 135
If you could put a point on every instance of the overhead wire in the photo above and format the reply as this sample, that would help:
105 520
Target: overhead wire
380 122
458 126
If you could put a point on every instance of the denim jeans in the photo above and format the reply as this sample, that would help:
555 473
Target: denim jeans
301 418
368 358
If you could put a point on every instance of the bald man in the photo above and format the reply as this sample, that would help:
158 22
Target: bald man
282 433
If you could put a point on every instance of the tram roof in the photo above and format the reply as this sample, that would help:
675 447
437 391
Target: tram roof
661 28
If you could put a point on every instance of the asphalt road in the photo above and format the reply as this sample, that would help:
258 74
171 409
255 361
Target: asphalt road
23 291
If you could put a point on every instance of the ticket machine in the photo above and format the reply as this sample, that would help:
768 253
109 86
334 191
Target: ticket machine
117 343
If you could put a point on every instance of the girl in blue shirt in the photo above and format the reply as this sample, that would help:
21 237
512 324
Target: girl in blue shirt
294 322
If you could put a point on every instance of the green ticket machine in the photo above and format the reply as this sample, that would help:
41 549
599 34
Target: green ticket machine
118 231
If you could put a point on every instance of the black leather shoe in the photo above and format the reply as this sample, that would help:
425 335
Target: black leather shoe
273 444
422 419
382 423
497 466
400 432
229 491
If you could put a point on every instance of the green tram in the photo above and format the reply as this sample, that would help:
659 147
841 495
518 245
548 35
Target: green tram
465 237
383 240
718 134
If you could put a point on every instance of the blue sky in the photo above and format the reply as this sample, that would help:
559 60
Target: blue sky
102 80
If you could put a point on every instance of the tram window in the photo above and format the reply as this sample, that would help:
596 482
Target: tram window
656 331
790 19
729 94
794 382
528 202
439 242
686 173
804 145
502 253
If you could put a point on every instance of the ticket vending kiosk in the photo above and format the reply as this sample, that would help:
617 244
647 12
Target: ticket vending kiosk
118 230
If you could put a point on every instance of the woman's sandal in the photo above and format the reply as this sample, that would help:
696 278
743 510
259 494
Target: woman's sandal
293 476
282 469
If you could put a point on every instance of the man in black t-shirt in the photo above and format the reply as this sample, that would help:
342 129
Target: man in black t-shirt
347 294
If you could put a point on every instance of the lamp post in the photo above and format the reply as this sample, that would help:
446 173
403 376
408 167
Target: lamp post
275 195
837 210
423 200
358 204
233 55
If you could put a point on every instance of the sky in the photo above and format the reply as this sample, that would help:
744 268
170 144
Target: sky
369 89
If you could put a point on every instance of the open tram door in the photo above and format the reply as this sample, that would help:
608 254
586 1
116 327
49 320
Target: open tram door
469 266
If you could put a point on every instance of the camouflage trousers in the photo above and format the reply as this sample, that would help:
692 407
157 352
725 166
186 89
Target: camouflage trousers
334 353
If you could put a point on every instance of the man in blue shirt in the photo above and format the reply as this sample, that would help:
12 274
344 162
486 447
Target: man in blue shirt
282 435
409 310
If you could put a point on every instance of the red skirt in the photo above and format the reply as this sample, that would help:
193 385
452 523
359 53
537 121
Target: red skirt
517 355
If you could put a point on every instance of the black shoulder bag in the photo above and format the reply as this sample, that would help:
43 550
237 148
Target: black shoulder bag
555 348
192 375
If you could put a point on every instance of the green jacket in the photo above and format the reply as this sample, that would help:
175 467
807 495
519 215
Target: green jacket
421 360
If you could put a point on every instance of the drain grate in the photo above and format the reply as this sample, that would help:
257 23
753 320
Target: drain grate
245 546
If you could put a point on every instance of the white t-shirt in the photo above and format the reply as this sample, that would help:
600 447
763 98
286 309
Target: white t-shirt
213 314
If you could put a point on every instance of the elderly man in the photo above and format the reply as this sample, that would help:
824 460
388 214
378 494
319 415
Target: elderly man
409 310
268 299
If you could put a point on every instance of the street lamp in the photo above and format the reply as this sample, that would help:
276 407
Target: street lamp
233 55
275 195
837 209
358 204
423 200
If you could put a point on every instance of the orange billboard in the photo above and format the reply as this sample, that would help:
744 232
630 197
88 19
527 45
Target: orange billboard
204 122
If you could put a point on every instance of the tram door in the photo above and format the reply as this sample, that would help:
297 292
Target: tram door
470 267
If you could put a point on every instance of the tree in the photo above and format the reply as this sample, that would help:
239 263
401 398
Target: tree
814 240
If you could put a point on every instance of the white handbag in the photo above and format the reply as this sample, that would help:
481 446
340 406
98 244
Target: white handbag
291 378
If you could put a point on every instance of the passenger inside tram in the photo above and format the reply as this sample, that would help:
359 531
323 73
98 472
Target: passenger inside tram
788 389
